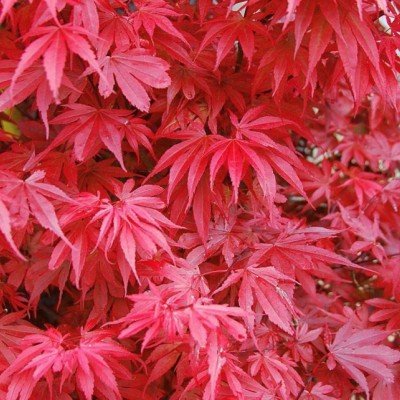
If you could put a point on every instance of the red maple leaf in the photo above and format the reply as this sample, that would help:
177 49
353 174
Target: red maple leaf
53 45
133 71
31 196
228 30
359 353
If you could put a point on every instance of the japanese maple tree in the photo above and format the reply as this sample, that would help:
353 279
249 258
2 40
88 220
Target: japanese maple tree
199 199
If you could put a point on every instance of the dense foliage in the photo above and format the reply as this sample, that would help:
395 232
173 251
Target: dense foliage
199 199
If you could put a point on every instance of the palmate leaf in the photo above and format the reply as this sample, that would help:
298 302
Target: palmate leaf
33 198
12 329
88 126
33 80
53 45
229 30
133 71
359 353
354 36
155 14
294 248
267 287
238 154
134 222
185 159
93 359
